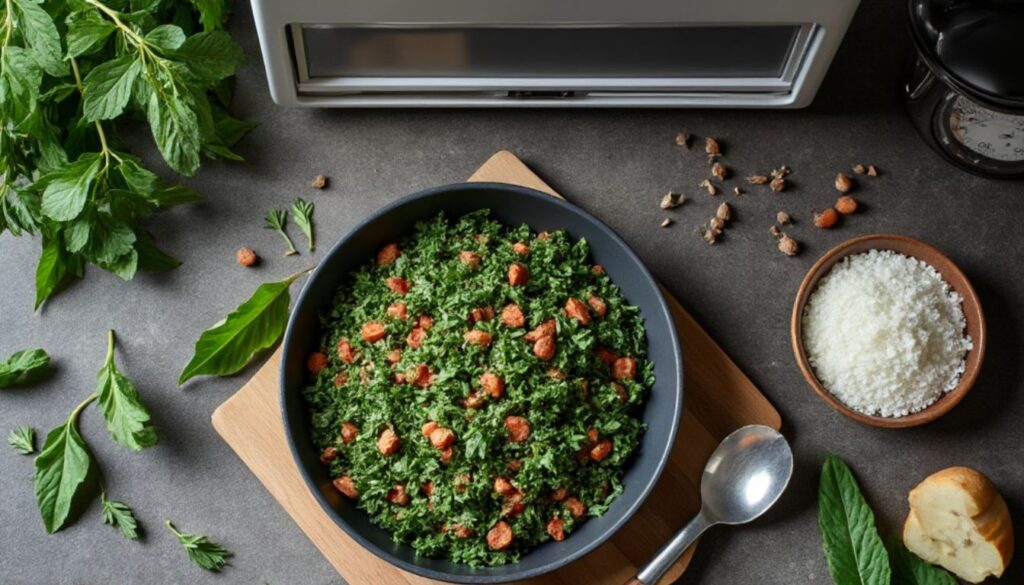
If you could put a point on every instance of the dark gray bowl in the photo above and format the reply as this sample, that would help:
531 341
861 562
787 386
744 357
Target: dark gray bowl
514 206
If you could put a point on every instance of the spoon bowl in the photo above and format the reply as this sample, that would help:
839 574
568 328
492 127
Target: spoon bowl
746 475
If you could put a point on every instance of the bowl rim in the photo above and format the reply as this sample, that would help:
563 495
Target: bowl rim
663 457
961 286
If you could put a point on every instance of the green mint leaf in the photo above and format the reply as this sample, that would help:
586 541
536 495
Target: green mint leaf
276 220
108 87
23 439
41 37
138 178
303 213
169 194
112 239
230 130
67 189
22 367
254 326
151 258
21 77
175 129
211 13
121 517
853 549
21 211
87 33
910 569
124 267
50 271
210 56
167 37
127 419
201 550
78 233
61 470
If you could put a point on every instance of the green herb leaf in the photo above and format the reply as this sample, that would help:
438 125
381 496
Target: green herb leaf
51 270
175 129
168 195
203 552
151 258
23 366
303 213
276 220
21 77
61 470
67 189
853 549
127 419
211 13
910 569
41 37
211 56
108 87
254 326
87 33
166 36
23 439
121 517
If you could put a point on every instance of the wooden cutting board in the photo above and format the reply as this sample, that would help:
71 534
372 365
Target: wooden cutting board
719 399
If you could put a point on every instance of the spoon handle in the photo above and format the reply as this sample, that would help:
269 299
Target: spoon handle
670 552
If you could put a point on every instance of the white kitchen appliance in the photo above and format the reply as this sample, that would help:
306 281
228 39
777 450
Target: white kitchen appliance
549 53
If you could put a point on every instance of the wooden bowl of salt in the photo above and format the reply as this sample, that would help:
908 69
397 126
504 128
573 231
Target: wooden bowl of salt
974 326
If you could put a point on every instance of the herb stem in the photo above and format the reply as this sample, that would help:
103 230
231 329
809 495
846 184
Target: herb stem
81 406
8 22
107 153
110 346
112 14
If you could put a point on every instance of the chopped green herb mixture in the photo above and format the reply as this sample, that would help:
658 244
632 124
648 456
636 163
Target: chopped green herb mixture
479 388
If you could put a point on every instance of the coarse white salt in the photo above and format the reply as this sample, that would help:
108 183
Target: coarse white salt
885 334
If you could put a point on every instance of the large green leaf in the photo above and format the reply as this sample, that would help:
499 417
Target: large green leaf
23 366
61 469
211 56
20 78
127 419
175 129
254 326
87 32
166 36
41 37
853 549
910 569
108 87
67 189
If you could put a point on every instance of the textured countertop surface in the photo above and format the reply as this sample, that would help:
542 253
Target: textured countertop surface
616 164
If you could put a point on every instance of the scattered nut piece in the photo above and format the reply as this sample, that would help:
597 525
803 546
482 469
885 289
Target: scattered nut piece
859 169
783 218
319 182
719 171
780 172
666 222
717 223
872 171
774 231
246 257
757 180
683 139
843 183
671 200
712 147
710 234
737 190
707 184
788 245
826 219
778 184
846 205
724 212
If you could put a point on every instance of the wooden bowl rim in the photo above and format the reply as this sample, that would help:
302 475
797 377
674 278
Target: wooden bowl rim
910 247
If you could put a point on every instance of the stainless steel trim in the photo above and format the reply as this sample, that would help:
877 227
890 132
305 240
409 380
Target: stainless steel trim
299 52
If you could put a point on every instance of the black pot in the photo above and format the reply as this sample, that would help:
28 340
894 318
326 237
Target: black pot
514 206
965 93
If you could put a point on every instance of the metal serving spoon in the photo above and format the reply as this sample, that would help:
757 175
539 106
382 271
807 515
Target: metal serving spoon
745 476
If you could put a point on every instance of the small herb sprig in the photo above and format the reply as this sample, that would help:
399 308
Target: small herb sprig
63 465
201 550
853 548
23 439
276 219
121 517
302 211
23 367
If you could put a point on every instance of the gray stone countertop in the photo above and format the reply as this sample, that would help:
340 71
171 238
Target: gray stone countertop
617 164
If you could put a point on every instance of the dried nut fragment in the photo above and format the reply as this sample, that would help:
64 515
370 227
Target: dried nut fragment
777 184
780 172
737 190
319 182
717 223
724 212
666 222
710 235
711 146
783 218
719 171
707 184
843 183
826 219
872 171
683 139
788 245
846 205
775 231
672 199
757 180
246 257
859 169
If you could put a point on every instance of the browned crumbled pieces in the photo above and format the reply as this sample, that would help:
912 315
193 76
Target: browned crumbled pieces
672 200
319 182
666 222
843 183
683 139
788 245
846 205
246 257
719 171
783 218
707 184
826 219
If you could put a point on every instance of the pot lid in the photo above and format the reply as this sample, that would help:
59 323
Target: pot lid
976 46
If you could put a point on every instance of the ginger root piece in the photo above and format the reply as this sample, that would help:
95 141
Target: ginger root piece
959 521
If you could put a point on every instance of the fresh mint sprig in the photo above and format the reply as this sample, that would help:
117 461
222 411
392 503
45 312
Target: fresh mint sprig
276 219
